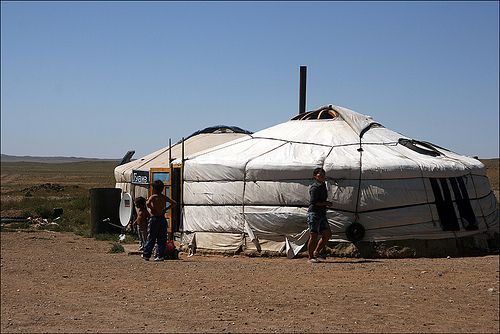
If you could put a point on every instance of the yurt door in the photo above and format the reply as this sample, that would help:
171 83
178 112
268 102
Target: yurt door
176 192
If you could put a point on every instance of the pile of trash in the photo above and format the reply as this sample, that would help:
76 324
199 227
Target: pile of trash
38 222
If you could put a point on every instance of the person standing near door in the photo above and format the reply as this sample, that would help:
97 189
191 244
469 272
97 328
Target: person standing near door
141 221
157 224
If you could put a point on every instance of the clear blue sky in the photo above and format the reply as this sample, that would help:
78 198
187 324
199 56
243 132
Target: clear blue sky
96 79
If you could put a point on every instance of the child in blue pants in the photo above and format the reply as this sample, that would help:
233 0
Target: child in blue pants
157 224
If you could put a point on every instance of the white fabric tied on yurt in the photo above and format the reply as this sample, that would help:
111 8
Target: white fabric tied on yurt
199 141
252 193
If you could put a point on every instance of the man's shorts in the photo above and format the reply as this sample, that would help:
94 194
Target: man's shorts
317 222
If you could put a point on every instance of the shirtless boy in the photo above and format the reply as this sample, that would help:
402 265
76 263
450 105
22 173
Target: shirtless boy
157 226
141 221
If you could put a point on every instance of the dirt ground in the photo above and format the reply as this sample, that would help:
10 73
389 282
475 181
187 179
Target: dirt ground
61 282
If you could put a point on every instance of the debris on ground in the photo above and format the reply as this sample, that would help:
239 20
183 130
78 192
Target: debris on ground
38 222
28 192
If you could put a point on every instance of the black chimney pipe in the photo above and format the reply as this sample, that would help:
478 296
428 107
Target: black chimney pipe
302 96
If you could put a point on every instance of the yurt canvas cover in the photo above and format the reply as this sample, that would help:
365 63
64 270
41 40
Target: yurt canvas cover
199 141
253 192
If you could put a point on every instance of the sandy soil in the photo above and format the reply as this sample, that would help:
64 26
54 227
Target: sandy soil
60 282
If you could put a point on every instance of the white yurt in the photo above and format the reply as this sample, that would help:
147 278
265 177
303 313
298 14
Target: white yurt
198 141
252 193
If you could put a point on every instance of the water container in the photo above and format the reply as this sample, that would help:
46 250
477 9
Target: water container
105 203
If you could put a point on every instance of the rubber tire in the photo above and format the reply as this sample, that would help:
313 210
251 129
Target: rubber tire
355 232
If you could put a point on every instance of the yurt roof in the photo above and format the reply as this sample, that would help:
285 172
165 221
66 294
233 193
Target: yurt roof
196 142
331 137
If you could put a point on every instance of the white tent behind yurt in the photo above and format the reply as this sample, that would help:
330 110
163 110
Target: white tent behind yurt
199 141
253 193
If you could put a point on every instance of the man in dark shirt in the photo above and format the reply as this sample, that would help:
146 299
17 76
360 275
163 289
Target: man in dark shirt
316 215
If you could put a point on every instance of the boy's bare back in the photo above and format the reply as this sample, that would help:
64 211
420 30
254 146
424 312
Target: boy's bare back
157 203
142 217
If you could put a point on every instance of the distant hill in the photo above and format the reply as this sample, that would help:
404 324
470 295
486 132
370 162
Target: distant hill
54 160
